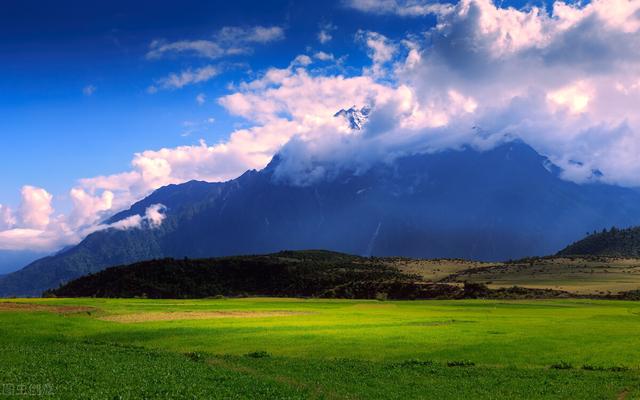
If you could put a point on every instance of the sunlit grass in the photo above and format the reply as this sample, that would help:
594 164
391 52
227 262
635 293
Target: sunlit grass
333 348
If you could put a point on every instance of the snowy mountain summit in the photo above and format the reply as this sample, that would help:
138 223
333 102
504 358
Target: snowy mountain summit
356 118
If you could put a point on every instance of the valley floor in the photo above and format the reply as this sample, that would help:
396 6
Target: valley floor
325 349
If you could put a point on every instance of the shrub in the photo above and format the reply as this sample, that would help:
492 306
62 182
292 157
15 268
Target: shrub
561 365
258 354
415 363
381 296
463 363
616 368
195 356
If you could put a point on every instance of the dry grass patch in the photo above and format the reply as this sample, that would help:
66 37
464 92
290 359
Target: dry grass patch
195 315
29 307
437 269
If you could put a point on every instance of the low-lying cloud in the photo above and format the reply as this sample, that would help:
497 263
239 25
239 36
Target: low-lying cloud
565 82
153 217
33 227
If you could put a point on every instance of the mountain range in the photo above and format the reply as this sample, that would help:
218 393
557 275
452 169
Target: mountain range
507 202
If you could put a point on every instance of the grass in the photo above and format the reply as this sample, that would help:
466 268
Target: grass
333 349
580 275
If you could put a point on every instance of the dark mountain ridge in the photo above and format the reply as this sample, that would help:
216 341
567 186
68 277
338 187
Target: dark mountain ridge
508 202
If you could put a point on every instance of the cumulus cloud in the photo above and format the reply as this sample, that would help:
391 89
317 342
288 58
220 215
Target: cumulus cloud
34 228
87 208
36 209
565 81
32 225
322 56
302 60
380 49
558 80
228 41
7 219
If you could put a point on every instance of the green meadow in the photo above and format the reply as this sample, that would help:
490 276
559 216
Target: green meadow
324 349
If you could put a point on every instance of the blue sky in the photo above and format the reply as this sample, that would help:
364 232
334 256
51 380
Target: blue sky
53 134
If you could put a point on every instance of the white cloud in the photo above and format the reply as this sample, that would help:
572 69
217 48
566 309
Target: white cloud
404 8
32 227
155 214
565 82
132 222
201 98
36 209
228 41
87 209
184 78
234 35
7 219
153 218
29 239
281 104
380 49
202 48
324 35
575 97
301 61
551 79
322 56
88 90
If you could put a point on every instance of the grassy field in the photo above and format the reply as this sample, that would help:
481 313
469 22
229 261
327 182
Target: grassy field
580 275
333 349
587 275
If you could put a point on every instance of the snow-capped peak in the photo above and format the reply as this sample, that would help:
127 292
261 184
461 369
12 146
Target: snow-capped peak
356 118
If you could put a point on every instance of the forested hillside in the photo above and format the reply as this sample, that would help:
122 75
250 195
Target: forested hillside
612 242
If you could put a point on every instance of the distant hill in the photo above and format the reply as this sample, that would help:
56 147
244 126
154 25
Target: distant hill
316 273
286 274
505 203
613 242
